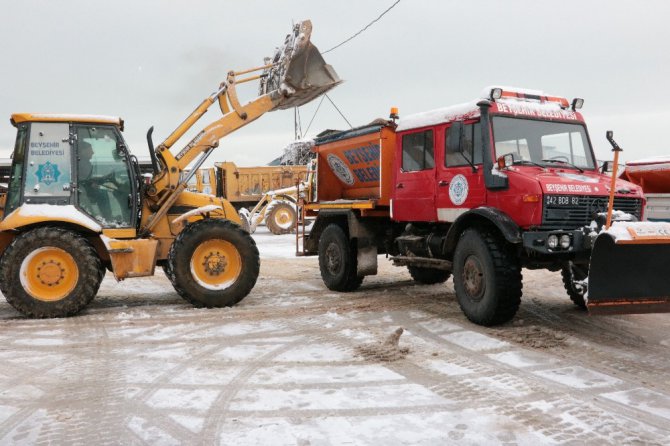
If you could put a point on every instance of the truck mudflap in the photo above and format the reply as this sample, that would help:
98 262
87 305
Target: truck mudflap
629 270
298 72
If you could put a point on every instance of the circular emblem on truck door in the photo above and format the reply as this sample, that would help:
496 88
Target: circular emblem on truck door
458 190
340 169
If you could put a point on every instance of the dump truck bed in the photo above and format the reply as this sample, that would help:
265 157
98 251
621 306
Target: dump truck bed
249 184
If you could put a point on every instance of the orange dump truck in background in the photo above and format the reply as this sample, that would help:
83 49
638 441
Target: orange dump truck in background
245 186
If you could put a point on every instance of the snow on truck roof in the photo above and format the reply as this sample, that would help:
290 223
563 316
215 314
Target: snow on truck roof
59 117
470 110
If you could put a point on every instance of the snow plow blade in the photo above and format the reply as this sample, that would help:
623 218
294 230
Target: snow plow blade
631 274
299 73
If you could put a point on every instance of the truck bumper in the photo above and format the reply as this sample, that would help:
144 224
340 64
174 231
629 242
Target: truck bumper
538 242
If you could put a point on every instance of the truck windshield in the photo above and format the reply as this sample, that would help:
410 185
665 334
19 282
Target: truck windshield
542 142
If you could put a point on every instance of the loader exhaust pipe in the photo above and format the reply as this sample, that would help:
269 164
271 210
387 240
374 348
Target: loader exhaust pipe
297 73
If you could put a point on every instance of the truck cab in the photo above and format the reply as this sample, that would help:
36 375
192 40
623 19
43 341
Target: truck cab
522 157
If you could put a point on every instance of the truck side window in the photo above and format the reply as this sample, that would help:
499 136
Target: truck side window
417 151
472 150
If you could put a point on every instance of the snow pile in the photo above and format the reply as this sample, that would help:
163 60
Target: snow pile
468 110
298 153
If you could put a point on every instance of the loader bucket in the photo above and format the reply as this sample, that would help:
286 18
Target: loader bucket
630 274
299 73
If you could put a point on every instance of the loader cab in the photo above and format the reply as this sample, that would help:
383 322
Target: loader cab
81 161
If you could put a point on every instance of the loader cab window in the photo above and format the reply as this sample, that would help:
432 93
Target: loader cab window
417 151
206 183
472 147
16 176
104 187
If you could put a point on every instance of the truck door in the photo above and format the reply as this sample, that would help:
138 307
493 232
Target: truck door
458 188
414 188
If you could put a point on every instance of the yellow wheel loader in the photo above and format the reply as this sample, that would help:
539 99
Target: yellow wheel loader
77 204
279 208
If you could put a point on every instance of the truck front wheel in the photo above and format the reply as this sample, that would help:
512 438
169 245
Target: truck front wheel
213 263
487 278
574 277
338 260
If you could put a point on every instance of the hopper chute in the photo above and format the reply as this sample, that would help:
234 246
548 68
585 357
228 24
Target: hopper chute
297 73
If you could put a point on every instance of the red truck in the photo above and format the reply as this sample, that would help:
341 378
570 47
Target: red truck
478 191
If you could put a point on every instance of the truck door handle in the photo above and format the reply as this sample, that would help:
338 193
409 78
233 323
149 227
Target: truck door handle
400 186
443 183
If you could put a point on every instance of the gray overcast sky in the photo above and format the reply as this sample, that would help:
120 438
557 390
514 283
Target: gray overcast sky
152 61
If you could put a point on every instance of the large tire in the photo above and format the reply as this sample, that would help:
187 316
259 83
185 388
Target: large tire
338 260
428 276
245 219
50 272
573 276
213 263
487 278
280 217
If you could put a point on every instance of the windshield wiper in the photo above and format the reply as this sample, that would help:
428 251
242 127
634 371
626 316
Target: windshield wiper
529 162
564 162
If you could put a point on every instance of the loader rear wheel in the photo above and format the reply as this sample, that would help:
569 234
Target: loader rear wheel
487 278
50 272
280 217
428 276
338 260
213 263
573 281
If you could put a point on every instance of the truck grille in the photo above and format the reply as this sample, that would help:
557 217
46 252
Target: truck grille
580 210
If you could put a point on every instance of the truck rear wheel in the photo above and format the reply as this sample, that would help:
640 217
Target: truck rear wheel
50 272
280 217
428 276
338 260
487 278
213 263
573 281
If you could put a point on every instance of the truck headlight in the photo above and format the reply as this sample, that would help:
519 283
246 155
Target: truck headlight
565 241
552 241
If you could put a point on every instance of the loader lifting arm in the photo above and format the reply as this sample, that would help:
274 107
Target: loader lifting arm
296 75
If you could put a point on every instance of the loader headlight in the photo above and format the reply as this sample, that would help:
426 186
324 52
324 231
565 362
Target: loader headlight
552 241
565 241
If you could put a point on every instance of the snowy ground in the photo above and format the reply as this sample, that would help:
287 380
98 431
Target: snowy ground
296 364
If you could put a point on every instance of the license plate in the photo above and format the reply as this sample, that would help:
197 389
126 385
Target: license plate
561 200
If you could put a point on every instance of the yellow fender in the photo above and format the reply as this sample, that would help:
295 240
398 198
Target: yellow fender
29 214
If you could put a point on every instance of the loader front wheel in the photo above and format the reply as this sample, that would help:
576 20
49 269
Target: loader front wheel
280 217
338 260
573 280
50 272
213 263
487 278
428 276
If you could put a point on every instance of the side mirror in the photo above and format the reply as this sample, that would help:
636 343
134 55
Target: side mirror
607 167
455 138
505 160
